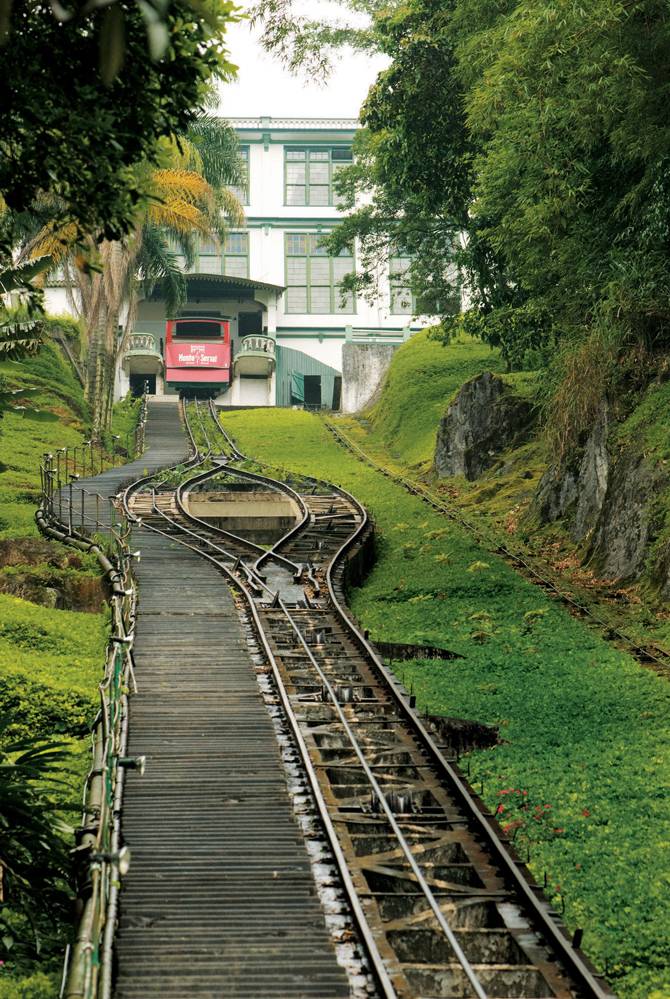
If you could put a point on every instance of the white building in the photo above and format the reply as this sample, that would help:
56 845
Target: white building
274 282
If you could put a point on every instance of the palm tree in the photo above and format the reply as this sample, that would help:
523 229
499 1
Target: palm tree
186 196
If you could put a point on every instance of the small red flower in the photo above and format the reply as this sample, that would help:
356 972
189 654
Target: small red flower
586 813
500 809
558 831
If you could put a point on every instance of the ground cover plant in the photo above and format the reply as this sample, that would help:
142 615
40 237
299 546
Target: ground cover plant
580 775
421 385
51 656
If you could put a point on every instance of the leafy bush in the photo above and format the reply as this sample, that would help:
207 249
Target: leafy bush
39 986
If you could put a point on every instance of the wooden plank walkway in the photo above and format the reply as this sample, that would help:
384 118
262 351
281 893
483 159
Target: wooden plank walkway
220 899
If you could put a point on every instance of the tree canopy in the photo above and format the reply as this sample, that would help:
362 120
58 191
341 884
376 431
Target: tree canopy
524 147
67 131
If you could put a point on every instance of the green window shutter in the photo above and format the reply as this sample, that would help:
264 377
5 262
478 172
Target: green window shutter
297 387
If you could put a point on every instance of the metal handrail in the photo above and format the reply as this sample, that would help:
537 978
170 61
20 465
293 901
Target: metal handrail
100 859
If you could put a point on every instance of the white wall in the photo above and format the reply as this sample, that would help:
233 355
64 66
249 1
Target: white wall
56 303
266 243
328 350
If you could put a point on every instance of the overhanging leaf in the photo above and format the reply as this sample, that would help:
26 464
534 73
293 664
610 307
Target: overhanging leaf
157 33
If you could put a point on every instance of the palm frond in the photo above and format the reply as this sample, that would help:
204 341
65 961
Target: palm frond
52 240
179 215
184 184
20 338
185 243
231 207
219 151
157 262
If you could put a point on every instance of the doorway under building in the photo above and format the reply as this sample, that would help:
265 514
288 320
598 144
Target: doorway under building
137 384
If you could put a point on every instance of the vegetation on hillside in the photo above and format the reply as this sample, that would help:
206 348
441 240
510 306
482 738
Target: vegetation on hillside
51 657
419 385
399 432
579 773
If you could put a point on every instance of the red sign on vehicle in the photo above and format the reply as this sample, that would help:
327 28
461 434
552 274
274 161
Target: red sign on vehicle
197 355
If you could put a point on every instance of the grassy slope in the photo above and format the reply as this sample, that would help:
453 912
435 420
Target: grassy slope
399 431
421 385
50 660
52 418
586 730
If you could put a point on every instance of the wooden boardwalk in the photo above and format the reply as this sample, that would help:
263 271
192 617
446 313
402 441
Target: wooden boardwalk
220 900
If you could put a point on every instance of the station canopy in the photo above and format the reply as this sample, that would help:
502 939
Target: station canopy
204 286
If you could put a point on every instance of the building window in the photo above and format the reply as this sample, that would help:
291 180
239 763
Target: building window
313 278
232 259
309 173
236 254
402 299
241 191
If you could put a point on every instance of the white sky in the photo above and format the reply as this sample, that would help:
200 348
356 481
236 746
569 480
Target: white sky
265 87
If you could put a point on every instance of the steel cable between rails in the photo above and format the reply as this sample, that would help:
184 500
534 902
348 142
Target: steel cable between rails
653 653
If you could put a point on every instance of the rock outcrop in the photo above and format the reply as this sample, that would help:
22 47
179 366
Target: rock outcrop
607 500
485 419
576 491
363 368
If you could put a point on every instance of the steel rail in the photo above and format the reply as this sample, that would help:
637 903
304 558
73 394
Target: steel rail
374 784
391 819
579 967
574 960
567 954
236 455
652 653
240 474
239 456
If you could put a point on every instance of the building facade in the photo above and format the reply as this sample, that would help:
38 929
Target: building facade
274 282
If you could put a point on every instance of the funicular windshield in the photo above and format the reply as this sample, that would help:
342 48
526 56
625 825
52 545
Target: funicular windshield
196 329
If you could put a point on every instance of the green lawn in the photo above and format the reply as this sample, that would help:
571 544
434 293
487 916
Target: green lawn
585 729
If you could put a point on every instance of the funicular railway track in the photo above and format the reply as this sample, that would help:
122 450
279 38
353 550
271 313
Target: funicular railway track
442 904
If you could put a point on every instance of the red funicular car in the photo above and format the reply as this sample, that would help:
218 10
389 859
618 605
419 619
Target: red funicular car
197 354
